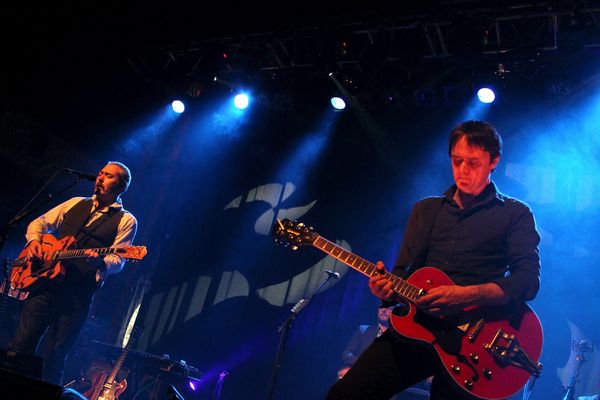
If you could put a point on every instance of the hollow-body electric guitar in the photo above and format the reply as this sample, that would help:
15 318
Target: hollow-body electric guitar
27 275
105 386
489 352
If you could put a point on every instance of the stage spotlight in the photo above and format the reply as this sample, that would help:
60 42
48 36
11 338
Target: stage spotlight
338 103
241 101
178 106
486 95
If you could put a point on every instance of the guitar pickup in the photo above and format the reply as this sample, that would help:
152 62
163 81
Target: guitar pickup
475 329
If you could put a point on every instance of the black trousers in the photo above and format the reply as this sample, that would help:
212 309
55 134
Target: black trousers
56 313
389 366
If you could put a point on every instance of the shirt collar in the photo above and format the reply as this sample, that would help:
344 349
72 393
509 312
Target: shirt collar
116 206
488 194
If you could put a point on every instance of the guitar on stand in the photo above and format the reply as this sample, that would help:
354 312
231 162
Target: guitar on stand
105 386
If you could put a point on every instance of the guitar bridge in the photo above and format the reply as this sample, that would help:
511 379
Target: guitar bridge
506 350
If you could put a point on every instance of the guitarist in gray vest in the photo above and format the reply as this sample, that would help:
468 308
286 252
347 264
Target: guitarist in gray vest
468 264
57 307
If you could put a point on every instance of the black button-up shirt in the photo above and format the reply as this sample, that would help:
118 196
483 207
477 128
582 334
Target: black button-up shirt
492 240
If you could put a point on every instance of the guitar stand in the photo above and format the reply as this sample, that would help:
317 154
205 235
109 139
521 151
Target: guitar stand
580 347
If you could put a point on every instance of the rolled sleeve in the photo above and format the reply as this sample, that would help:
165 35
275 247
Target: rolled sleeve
523 281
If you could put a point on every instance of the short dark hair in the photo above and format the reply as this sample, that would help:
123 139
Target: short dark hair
478 133
124 174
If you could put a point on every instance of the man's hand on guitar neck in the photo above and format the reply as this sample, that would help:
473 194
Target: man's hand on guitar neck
93 259
380 286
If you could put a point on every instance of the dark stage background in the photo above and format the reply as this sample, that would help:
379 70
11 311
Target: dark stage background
92 85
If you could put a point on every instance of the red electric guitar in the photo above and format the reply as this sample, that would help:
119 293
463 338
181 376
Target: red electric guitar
105 386
489 352
27 275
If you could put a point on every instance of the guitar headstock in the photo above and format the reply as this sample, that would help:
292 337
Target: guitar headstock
134 253
293 233
135 333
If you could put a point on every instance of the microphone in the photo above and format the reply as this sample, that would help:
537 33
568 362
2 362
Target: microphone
83 175
334 275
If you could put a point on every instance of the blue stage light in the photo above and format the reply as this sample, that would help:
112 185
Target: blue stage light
178 106
241 101
486 95
338 103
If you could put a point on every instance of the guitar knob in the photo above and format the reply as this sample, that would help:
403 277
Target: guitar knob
474 357
455 368
487 373
469 384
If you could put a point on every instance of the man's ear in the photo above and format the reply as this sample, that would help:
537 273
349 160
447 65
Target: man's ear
495 162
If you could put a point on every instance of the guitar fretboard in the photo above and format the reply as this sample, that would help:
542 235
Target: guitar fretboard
399 285
137 331
78 253
113 374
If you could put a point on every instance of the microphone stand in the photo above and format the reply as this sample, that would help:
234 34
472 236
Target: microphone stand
284 330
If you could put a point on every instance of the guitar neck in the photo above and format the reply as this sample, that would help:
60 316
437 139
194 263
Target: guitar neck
399 285
113 374
78 253
134 335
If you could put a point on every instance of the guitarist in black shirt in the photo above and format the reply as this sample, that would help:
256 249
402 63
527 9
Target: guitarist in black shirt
486 244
